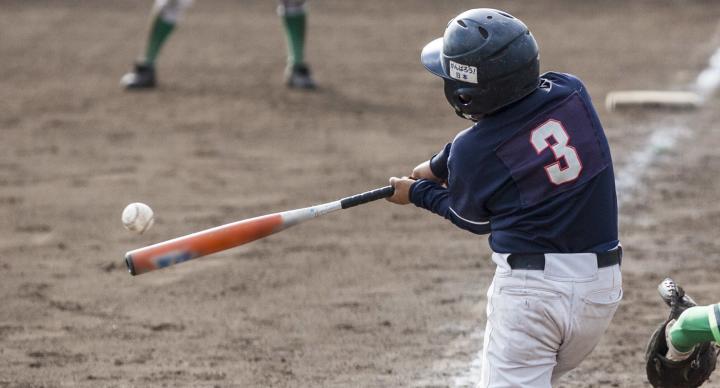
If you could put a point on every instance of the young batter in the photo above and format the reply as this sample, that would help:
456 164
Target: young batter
165 15
534 171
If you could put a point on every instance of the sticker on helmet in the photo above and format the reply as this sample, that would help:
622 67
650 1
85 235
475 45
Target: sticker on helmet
463 73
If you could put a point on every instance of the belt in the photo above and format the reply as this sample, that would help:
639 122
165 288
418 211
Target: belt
537 260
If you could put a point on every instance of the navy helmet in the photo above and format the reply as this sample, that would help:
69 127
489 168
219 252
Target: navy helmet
487 58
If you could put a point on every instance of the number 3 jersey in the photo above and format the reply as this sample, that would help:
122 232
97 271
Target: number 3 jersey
537 175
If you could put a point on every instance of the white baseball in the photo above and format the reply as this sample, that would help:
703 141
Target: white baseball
137 217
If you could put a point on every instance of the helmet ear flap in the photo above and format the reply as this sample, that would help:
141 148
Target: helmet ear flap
465 100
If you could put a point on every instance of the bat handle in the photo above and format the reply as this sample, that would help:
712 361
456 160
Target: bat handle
368 196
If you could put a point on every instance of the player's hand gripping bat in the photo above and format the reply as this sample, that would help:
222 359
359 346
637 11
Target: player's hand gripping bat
227 236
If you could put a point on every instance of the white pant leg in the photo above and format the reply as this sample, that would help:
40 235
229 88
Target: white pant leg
594 304
291 7
485 366
542 324
521 345
171 10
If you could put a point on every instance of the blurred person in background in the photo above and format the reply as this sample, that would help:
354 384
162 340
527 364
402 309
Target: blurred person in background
165 15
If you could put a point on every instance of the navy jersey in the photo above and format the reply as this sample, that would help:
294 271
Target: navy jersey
537 175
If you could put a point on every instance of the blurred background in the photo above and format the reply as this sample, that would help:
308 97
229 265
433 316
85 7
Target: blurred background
379 295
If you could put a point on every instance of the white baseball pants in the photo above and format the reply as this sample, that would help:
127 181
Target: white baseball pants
543 323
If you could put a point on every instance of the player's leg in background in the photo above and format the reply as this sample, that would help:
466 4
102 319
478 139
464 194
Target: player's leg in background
294 17
694 326
163 19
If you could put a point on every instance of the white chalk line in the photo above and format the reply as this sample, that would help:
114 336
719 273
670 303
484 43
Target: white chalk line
628 181
629 184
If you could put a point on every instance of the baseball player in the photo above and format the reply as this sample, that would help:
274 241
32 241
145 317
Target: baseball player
534 171
165 15
680 352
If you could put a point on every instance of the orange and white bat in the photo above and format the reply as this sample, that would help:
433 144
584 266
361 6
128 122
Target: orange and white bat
227 236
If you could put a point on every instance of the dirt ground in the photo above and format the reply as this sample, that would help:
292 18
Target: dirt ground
376 296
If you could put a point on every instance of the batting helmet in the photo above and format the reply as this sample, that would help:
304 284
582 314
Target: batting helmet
487 58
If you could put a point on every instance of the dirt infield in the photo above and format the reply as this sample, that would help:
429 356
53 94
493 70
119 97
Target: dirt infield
377 296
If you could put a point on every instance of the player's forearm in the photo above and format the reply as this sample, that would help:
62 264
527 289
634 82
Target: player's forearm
424 171
696 325
435 198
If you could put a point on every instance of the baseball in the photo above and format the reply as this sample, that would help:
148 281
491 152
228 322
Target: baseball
137 217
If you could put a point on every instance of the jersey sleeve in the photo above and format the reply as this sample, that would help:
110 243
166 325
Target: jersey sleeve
438 163
436 198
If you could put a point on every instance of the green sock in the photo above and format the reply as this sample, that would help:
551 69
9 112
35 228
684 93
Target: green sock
695 325
159 32
295 30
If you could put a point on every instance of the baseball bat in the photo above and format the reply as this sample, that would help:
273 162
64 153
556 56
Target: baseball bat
220 238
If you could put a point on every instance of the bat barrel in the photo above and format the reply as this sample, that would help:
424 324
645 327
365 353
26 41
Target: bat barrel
227 236
202 243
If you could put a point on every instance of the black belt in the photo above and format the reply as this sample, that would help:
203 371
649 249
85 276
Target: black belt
537 260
